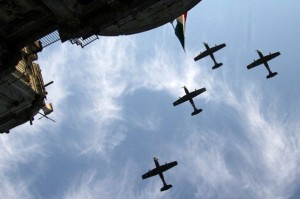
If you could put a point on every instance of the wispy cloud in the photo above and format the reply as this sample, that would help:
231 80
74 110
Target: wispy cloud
117 184
258 158
14 189
109 71
17 150
165 72
246 148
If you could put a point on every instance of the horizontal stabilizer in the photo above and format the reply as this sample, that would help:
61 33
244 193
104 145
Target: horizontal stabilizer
196 112
166 187
217 65
272 75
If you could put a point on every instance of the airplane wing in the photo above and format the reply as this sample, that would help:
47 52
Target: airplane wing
181 100
263 60
197 92
255 63
216 48
167 166
189 96
209 51
201 55
160 169
271 56
150 173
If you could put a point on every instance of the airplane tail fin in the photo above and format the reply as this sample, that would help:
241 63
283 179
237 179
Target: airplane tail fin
166 187
196 112
272 75
217 65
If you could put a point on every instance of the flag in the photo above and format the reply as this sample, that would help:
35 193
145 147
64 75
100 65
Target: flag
180 28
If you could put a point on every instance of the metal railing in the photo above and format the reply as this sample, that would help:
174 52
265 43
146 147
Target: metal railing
54 37
50 39
84 42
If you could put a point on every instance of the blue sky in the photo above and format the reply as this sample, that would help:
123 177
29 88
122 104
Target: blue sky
113 110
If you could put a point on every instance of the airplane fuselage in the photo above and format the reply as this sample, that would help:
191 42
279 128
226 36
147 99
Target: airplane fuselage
206 46
186 91
210 52
264 61
260 54
158 170
189 97
156 162
160 173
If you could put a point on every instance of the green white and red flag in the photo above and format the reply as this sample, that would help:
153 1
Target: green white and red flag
180 28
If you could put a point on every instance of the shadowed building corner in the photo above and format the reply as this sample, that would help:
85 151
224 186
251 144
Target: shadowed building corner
28 26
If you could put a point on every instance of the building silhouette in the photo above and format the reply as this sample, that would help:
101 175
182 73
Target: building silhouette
28 26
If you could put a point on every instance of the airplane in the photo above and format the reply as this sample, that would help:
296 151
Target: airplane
209 51
189 96
159 170
264 60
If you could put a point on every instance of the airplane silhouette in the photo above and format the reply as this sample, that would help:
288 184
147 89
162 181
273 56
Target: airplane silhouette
189 96
159 171
264 60
209 51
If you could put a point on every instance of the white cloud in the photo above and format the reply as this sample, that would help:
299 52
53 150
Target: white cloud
254 153
19 149
165 72
151 122
107 72
265 154
111 185
269 157
14 189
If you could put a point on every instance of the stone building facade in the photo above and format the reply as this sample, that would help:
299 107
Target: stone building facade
22 92
23 22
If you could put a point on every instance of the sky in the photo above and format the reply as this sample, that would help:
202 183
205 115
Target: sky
113 109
